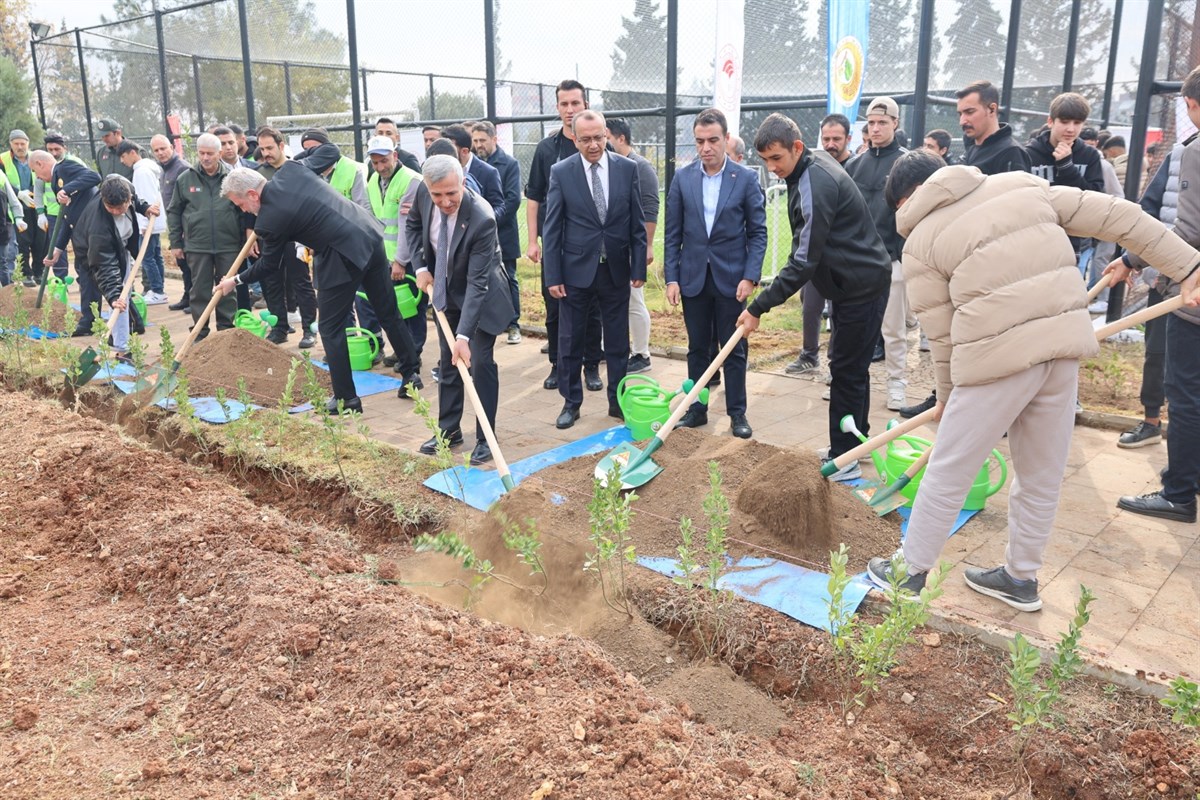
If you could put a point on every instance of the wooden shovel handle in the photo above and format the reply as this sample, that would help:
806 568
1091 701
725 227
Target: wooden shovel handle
1145 315
136 267
875 442
1100 286
216 297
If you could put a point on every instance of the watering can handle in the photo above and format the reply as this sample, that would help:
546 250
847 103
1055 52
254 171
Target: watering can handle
877 441
995 487
371 337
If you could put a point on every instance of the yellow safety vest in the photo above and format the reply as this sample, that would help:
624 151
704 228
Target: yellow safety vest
387 207
10 170
342 178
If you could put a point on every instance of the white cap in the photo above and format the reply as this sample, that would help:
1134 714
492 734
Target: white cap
380 146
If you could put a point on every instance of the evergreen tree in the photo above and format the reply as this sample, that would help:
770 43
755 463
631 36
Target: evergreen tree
976 41
639 73
16 104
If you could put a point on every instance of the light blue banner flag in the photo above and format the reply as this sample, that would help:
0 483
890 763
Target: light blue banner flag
848 26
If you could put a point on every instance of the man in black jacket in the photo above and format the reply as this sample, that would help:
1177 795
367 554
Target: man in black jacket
75 185
297 206
834 245
104 237
483 139
1060 156
989 142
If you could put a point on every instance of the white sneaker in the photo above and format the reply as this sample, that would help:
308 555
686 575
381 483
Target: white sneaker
294 317
1098 307
850 472
825 395
154 298
896 397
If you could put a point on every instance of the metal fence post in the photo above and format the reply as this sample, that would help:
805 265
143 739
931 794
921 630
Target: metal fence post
244 26
37 81
672 80
1072 44
432 102
924 56
489 55
87 103
366 104
199 96
287 85
1112 62
542 108
162 71
355 101
1010 58
1141 110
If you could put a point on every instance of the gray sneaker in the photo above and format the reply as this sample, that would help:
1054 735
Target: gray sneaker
850 472
1140 435
514 334
997 583
801 365
879 571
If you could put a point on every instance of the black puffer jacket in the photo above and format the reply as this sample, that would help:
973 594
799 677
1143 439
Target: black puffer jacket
95 236
834 242
870 173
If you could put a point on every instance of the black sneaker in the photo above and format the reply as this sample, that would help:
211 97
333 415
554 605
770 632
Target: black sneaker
182 305
908 412
997 583
307 341
1155 505
1140 435
879 571
637 364
801 365
694 418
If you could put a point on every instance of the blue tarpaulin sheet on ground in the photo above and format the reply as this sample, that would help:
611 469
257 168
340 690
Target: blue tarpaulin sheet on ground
34 332
799 592
480 488
207 408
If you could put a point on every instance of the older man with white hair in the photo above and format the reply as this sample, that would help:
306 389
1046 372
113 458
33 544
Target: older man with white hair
205 228
298 207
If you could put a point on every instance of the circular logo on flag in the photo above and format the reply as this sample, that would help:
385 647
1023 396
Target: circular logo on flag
729 79
847 69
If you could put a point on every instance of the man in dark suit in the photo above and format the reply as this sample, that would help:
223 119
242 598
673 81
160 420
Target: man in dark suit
487 176
715 242
297 206
451 234
483 139
595 247
75 186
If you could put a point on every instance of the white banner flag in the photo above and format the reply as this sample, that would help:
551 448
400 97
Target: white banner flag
727 81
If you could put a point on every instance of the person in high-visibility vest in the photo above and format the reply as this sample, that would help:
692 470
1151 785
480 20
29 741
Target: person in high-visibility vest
55 145
12 219
391 189
29 242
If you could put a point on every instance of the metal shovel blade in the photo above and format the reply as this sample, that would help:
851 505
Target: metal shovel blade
164 382
643 469
89 367
888 499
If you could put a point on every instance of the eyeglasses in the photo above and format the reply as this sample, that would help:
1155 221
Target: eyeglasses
591 139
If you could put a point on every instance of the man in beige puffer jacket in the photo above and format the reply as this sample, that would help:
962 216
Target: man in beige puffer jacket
992 276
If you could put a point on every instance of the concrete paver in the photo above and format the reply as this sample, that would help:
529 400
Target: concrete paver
1145 572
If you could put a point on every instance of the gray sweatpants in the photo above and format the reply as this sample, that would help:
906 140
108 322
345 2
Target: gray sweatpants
1037 408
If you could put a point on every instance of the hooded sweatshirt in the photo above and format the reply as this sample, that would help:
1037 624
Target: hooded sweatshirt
991 273
1081 168
998 153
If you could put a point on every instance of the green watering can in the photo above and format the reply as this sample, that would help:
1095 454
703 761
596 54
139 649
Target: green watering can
57 287
902 452
259 324
363 346
646 405
139 303
407 297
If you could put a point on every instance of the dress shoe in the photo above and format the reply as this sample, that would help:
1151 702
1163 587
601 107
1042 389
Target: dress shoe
591 379
277 335
453 439
413 380
878 355
481 454
351 406
389 361
740 427
694 418
290 329
307 341
545 348
614 410
551 381
1155 505
182 305
567 418
908 412
81 331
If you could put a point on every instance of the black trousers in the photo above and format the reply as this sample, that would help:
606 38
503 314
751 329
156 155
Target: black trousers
418 324
591 353
1153 368
484 374
850 352
333 306
575 338
703 314
187 276
293 273
31 245
89 293
1181 481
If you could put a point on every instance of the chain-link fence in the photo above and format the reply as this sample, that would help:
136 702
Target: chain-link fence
182 69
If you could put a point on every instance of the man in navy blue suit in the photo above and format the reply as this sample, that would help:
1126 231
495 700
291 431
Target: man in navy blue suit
715 241
594 247
487 176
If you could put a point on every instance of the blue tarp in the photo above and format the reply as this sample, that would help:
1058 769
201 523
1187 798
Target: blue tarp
480 488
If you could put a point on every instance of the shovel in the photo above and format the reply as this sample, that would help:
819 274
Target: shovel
637 467
164 381
887 500
1099 287
48 267
834 464
476 403
89 364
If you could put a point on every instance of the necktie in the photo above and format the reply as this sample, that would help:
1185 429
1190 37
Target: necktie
441 266
598 193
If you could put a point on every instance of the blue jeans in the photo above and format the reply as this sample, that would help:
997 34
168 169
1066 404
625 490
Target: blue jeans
1181 481
152 266
60 266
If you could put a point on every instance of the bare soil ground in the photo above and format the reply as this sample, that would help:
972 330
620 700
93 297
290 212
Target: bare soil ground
51 316
163 636
228 357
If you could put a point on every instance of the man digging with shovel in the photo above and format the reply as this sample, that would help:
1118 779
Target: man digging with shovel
1006 313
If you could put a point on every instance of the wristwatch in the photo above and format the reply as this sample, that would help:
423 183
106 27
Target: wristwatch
237 279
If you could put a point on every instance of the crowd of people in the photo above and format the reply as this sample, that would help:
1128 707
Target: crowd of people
984 253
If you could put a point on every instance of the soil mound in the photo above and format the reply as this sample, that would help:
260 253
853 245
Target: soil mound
787 495
57 311
226 356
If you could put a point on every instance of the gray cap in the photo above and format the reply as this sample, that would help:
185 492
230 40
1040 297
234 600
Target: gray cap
17 134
